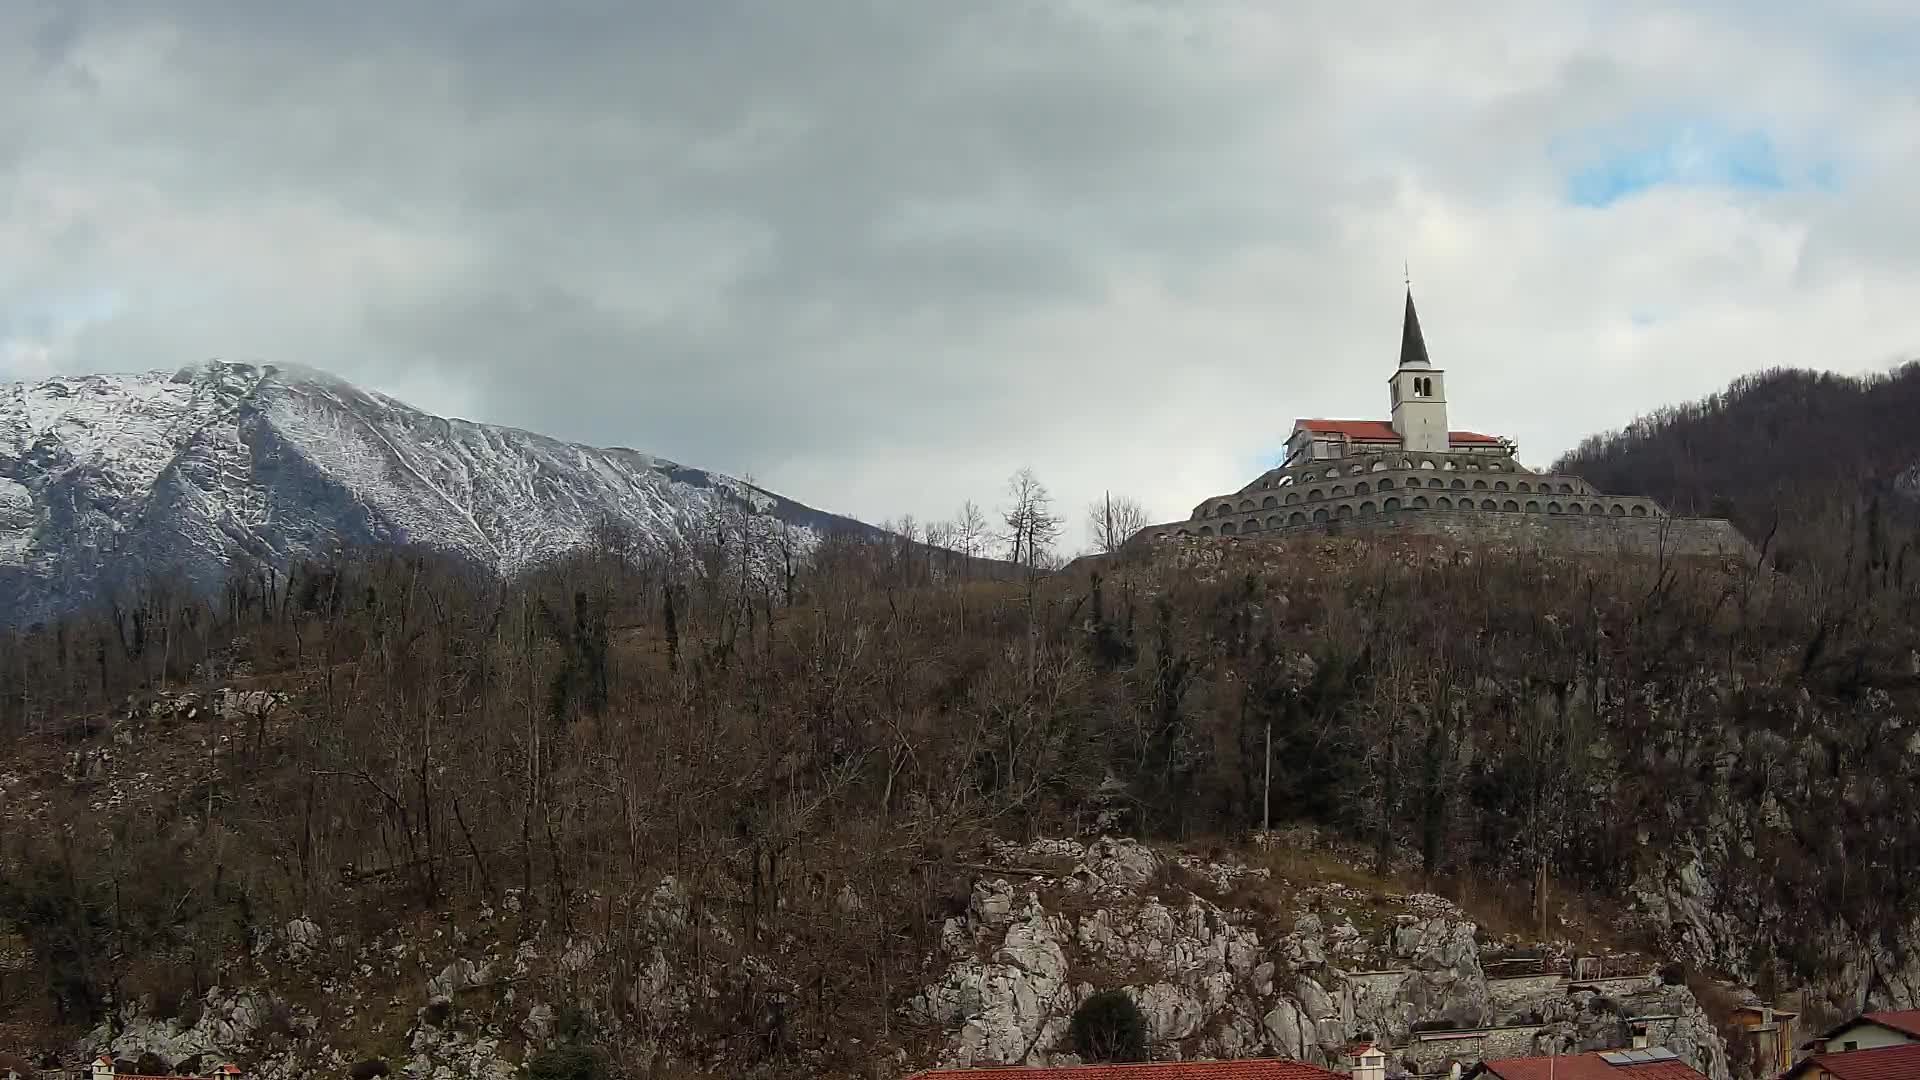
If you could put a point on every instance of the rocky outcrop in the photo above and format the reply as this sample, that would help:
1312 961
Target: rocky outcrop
1213 981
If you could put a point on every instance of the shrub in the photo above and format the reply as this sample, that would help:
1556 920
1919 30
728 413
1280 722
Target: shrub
368 1069
152 1064
567 1063
1673 974
1109 1027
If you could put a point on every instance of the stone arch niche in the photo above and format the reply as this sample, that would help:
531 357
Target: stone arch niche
1361 488
1553 508
1595 509
1386 483
1500 485
1343 511
1639 510
1227 528
1296 518
1419 502
1273 521
1510 506
1479 485
1320 515
1206 530
1269 502
1379 465
1444 503
1533 506
1426 463
1390 505
1617 510
1292 497
1246 504
1224 508
1436 482
1367 509
1488 504
1459 484
1339 490
1315 495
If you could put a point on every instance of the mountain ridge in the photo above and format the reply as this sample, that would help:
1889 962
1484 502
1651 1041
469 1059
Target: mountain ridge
105 478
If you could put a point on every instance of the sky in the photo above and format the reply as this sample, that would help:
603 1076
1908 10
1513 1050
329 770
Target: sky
878 254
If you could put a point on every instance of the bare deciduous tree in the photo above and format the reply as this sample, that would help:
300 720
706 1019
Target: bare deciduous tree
1113 519
1032 526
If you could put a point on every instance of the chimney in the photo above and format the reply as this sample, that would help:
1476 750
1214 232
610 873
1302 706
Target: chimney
102 1068
1369 1062
1639 1036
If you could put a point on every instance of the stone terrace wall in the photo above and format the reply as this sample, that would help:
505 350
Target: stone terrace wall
1587 535
1583 534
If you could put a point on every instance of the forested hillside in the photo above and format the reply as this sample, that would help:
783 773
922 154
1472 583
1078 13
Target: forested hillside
1796 453
391 747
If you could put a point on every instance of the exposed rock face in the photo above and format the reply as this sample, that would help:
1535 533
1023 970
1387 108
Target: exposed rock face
1214 982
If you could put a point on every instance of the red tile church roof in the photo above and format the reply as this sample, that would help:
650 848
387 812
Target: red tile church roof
1382 431
1251 1069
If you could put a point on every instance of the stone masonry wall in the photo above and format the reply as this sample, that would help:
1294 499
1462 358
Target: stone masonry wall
1587 535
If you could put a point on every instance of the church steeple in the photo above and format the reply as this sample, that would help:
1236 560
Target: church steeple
1413 346
1419 391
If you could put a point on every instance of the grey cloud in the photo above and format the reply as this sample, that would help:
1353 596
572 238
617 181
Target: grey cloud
879 253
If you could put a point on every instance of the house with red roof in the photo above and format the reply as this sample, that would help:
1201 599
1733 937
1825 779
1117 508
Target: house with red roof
1896 1062
1413 471
1643 1064
103 1069
1870 1031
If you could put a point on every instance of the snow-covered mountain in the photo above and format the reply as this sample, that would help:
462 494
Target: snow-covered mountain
107 477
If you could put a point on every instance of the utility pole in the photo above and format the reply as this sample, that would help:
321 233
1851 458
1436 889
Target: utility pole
1266 788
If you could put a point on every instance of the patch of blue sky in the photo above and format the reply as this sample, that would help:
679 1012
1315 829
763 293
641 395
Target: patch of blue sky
1603 168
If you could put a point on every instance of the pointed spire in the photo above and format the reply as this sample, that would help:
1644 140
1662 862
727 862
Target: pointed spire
1413 347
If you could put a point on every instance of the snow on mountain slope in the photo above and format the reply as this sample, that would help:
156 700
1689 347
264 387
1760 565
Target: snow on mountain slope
106 477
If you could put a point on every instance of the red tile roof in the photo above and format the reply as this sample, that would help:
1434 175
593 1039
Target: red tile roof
1885 1063
1382 431
1248 1069
1902 1020
1583 1067
1361 430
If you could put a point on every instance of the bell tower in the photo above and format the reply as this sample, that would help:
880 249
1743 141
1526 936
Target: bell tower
1419 391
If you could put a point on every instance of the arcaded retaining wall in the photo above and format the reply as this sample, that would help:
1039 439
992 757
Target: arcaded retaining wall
1594 535
1586 535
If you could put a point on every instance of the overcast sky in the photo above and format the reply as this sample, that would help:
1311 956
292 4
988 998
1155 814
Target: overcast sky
880 253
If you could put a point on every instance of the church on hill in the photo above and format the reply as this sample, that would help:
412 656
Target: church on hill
1411 470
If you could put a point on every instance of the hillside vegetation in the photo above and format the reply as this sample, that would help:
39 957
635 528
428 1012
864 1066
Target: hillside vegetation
812 759
1798 456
